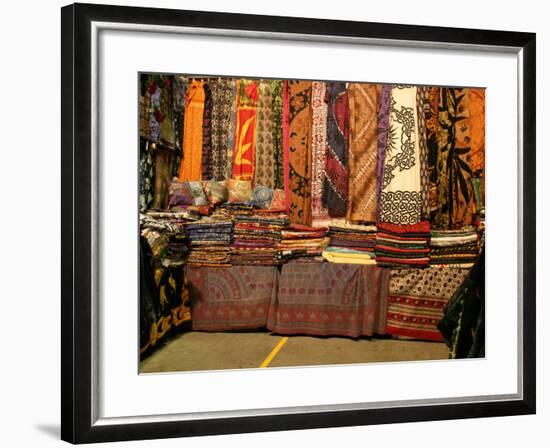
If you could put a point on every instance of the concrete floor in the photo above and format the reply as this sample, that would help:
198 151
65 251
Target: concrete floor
237 350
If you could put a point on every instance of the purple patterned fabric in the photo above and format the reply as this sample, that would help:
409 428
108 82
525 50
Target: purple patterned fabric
383 126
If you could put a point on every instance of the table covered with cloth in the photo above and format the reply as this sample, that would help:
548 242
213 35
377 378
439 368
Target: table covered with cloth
323 299
231 297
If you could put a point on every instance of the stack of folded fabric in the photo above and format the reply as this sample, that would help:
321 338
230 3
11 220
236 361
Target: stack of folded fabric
302 242
229 210
255 239
454 247
403 244
351 243
209 242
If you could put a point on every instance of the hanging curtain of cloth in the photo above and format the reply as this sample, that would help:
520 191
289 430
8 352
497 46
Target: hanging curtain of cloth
222 101
422 94
264 169
454 188
207 170
431 118
383 118
245 132
231 130
335 187
477 128
286 144
319 111
191 164
277 128
401 198
363 105
299 152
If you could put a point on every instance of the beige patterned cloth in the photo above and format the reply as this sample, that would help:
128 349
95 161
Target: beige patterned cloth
319 214
264 170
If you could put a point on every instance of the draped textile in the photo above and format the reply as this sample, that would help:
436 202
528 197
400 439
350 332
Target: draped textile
417 298
330 299
163 173
146 175
431 118
191 164
383 119
286 145
319 213
299 151
454 188
245 132
335 186
222 125
363 105
231 131
401 198
477 135
277 127
422 94
264 169
207 170
231 297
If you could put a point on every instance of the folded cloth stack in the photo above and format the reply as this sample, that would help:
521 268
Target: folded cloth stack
229 210
210 243
255 239
454 247
351 243
403 244
302 242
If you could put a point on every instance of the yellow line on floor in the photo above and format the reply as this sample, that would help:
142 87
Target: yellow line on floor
273 353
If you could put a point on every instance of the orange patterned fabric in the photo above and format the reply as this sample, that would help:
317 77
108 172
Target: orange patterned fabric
245 132
477 130
191 164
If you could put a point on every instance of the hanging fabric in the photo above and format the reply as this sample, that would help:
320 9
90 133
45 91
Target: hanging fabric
401 198
319 111
231 131
222 101
191 164
431 118
335 187
383 119
207 170
299 153
245 132
264 169
277 128
363 105
477 128
286 145
422 94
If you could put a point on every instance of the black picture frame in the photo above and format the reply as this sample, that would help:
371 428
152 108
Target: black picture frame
77 425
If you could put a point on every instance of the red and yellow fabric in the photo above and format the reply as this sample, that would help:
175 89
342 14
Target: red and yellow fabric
245 131
191 164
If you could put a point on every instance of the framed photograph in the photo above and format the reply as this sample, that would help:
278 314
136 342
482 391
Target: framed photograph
276 223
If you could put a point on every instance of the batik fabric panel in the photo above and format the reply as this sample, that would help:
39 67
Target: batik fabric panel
335 186
329 299
319 213
245 131
231 297
191 164
264 169
383 124
231 131
363 106
299 152
401 197
222 101
477 135
207 170
422 95
277 128
430 108
417 298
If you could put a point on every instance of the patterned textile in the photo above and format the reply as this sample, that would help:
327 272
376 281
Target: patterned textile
245 132
179 193
363 126
179 89
401 198
383 119
330 299
335 186
264 169
163 173
431 118
222 100
417 297
286 145
146 175
299 154
216 192
262 196
239 190
277 128
319 214
422 97
191 164
403 244
231 298
197 192
207 171
231 132
278 202
477 135
164 115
